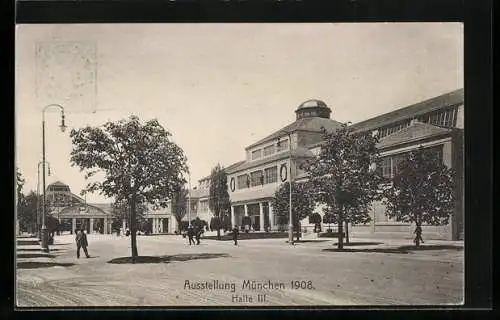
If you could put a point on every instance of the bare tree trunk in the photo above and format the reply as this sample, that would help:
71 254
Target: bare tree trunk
178 225
133 230
346 232
341 231
219 224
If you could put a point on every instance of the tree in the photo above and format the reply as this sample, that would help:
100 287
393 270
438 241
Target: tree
343 175
179 204
302 203
121 211
197 223
19 186
26 212
421 191
139 162
225 222
219 202
316 219
329 217
246 221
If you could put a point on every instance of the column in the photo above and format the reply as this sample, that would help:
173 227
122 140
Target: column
261 216
73 225
91 225
247 227
173 225
105 227
161 225
154 226
233 222
124 225
271 216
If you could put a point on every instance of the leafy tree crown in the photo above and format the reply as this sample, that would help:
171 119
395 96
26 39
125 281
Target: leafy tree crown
422 189
138 160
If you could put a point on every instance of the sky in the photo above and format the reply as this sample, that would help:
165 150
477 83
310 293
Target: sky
217 87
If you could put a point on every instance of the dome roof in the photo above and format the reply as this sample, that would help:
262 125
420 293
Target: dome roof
58 186
58 183
313 108
313 103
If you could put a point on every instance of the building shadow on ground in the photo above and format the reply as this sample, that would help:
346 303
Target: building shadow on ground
397 250
37 264
35 255
35 249
167 259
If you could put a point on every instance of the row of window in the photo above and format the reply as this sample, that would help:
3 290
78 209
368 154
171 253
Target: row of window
389 164
269 150
257 178
443 118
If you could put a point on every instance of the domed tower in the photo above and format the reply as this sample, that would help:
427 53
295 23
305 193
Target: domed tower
313 108
58 194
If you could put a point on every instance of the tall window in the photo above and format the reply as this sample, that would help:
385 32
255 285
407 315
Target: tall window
283 145
445 118
257 178
271 175
390 164
242 181
269 150
256 154
396 160
204 206
386 167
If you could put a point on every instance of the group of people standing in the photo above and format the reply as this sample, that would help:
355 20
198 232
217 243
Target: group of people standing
195 232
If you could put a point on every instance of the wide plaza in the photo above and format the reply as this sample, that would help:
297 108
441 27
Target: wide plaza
367 272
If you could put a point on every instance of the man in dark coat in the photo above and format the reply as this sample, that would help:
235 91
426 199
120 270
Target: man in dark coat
190 233
81 242
235 235
198 232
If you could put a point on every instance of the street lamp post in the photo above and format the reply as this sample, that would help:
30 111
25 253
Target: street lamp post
44 234
290 217
189 199
37 222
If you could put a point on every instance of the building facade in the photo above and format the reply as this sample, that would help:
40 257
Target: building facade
274 160
435 123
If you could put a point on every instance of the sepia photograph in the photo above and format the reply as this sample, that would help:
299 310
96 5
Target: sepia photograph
239 164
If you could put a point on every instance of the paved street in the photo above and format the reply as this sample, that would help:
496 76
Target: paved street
373 273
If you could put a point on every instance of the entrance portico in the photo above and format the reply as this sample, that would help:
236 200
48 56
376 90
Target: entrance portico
260 213
91 218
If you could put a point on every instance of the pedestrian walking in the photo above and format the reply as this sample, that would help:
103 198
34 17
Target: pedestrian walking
81 242
198 235
190 234
235 235
418 236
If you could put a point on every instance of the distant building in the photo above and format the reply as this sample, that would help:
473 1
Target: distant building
73 212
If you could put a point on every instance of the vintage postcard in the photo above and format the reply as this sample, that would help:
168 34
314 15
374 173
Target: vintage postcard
239 165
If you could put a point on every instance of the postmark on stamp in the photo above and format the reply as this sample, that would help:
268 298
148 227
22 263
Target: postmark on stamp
66 72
